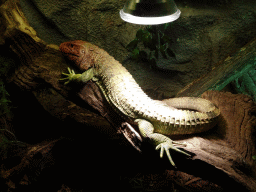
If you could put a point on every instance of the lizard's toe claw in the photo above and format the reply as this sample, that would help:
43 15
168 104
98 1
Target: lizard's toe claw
65 78
70 71
165 147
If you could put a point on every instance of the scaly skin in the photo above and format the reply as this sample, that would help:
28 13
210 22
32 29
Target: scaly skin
156 120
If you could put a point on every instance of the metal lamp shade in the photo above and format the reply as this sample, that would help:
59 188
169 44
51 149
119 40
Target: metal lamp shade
150 12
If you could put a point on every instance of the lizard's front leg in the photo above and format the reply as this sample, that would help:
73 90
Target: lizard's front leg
160 141
83 78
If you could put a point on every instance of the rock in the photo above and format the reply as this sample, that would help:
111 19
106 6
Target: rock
206 33
94 21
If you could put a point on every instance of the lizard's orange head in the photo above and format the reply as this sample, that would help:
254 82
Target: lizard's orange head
77 52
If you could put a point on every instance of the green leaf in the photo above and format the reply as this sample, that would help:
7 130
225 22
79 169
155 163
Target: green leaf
146 36
153 43
135 53
147 40
132 45
140 33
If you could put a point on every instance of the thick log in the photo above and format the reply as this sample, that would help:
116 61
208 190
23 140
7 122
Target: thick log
221 158
223 73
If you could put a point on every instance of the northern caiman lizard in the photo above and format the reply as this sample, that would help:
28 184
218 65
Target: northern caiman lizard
156 120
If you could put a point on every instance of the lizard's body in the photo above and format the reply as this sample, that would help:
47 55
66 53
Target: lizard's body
156 120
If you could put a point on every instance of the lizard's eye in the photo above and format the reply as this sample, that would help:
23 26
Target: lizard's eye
71 45
83 51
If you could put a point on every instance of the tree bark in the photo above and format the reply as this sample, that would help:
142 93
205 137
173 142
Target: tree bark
221 158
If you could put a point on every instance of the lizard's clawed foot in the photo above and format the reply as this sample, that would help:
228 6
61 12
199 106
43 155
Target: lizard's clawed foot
71 76
165 146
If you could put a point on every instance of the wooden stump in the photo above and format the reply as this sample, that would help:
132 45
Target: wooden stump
222 157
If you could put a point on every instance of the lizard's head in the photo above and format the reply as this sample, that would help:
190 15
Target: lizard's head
79 53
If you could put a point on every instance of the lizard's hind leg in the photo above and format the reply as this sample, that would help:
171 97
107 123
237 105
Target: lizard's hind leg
158 140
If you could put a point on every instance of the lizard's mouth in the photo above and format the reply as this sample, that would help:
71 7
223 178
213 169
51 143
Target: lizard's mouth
72 54
68 49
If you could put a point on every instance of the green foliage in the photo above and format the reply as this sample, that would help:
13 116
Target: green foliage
155 41
7 140
246 84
